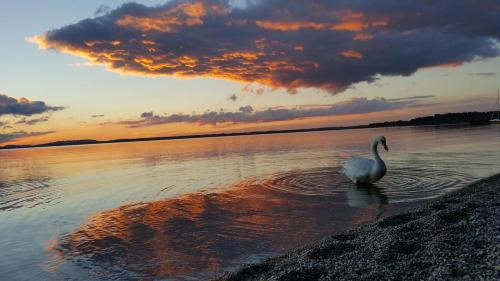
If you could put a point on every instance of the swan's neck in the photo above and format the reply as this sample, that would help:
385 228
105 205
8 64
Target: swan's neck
379 169
375 152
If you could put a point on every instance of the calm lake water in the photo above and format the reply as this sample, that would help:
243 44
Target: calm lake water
192 209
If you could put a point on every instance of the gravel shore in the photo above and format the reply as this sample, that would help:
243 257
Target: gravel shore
455 237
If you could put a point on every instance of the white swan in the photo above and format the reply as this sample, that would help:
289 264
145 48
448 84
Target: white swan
363 170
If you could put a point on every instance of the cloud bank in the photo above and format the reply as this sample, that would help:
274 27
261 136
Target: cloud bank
21 134
246 114
324 44
33 121
24 106
489 74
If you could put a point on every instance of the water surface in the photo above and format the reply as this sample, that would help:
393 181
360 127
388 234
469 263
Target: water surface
192 209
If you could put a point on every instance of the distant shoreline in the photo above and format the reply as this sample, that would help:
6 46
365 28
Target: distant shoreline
473 118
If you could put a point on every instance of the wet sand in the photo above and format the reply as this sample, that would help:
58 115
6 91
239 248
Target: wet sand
454 237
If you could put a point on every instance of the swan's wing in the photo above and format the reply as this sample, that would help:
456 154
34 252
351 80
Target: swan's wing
359 164
357 168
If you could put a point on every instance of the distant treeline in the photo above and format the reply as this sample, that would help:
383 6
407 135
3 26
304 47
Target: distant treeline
474 118
440 119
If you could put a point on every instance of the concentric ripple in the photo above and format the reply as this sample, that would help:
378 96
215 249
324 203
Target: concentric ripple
313 182
401 184
406 184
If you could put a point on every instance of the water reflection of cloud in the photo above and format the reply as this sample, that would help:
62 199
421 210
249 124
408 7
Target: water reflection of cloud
200 235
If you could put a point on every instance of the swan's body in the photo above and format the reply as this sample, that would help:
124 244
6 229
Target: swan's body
363 170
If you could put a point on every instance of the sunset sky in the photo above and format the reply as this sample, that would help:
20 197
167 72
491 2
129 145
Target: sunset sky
114 69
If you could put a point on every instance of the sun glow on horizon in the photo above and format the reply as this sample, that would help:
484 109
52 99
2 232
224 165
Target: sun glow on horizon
203 66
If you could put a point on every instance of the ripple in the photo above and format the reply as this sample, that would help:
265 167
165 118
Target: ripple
26 193
313 182
401 184
412 184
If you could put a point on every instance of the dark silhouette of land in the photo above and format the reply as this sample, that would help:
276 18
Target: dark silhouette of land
472 118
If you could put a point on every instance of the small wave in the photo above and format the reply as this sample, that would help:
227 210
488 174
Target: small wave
412 184
25 193
401 184
312 182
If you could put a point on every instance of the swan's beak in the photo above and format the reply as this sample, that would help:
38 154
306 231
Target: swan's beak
385 146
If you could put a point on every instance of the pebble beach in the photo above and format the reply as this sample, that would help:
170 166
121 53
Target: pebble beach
454 237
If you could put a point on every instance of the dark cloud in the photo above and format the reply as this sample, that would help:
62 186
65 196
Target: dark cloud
246 109
147 114
4 124
249 89
97 116
33 121
24 106
326 44
102 10
233 97
412 98
483 73
247 114
7 137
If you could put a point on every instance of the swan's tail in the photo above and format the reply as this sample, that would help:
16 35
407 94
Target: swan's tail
345 172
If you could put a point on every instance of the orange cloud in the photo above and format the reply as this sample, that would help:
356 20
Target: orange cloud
195 10
290 26
352 54
346 21
294 26
183 14
453 64
158 24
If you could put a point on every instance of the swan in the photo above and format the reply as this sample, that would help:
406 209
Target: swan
363 170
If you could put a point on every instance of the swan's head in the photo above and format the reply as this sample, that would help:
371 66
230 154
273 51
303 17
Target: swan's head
382 141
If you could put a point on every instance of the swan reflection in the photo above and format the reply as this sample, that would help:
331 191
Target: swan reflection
365 195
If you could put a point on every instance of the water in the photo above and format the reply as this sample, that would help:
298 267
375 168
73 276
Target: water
191 209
